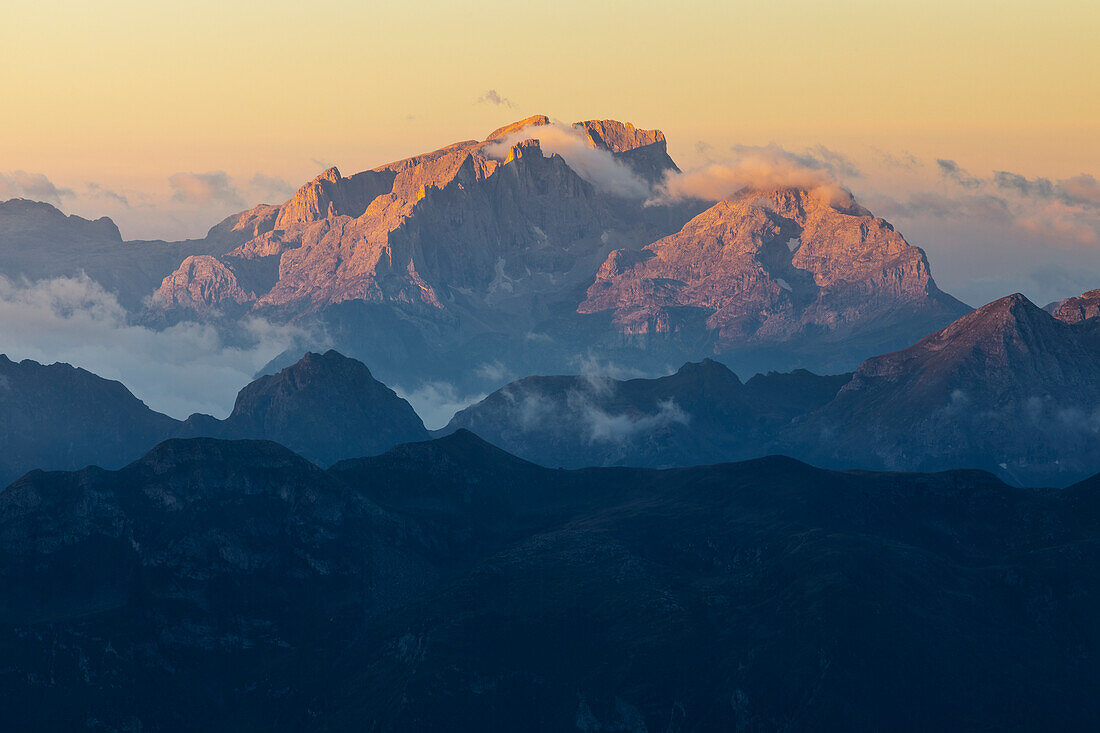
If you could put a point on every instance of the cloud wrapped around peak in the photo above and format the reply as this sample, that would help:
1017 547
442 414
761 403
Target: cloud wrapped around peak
757 167
595 165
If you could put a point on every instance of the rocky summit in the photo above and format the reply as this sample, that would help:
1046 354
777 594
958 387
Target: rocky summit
774 266
544 241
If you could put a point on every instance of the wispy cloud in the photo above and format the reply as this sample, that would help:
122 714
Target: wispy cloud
204 189
96 191
1078 190
187 368
595 165
952 171
495 98
271 187
36 186
757 167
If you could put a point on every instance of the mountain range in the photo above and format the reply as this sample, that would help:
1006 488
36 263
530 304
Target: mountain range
527 252
1008 388
325 407
449 585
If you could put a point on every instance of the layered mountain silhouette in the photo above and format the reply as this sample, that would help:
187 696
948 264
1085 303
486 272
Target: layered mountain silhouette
448 585
63 417
701 414
325 407
39 242
1007 388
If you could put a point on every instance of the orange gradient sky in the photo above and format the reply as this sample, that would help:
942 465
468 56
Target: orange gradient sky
122 91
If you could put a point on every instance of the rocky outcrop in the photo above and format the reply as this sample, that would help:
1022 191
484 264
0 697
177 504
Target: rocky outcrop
38 241
199 284
460 222
644 151
1079 308
771 267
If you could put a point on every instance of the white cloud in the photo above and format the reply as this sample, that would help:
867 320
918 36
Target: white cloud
595 165
187 368
437 402
204 189
36 186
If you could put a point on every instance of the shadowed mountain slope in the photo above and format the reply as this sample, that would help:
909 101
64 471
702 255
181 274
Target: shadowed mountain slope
448 585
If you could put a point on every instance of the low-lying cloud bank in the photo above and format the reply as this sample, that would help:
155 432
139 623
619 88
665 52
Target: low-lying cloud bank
187 368
437 402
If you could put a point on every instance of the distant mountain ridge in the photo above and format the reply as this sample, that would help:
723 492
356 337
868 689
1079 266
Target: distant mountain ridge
325 406
1007 388
535 248
701 414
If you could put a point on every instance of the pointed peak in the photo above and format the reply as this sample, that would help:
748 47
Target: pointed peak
502 132
331 359
331 175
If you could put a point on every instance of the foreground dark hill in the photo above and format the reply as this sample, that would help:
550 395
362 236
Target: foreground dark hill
325 407
701 414
1008 388
448 585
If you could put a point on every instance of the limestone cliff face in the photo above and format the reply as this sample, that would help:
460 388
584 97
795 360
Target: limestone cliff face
201 283
1080 308
769 266
643 151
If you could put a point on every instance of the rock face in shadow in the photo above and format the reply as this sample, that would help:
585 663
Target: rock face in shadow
65 418
1008 388
446 584
38 242
701 414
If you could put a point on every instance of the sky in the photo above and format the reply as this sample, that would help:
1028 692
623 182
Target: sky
972 126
